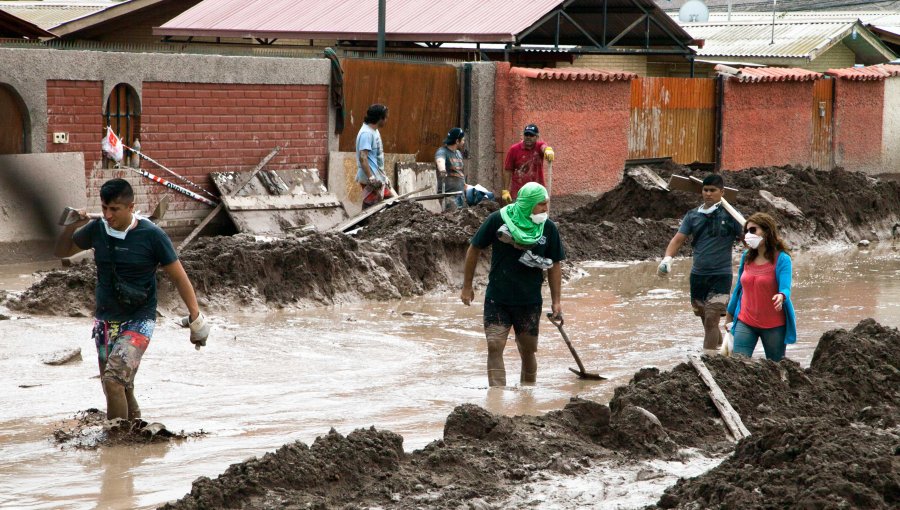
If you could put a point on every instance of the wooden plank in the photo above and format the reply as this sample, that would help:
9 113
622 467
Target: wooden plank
280 202
731 417
377 208
209 217
255 171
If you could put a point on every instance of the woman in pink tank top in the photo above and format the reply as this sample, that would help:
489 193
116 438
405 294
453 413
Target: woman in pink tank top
761 299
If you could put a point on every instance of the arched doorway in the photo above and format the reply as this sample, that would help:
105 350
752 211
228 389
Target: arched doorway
14 127
123 115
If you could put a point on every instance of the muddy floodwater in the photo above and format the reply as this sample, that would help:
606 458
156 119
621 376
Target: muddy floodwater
266 379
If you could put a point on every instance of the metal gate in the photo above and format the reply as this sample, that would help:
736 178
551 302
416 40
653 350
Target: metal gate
422 101
822 156
673 117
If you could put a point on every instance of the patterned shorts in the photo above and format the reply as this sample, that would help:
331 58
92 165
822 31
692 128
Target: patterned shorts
120 346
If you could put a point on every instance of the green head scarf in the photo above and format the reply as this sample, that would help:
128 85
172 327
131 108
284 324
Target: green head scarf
517 215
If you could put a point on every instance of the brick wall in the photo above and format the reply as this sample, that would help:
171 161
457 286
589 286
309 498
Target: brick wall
766 124
194 129
75 107
858 121
586 123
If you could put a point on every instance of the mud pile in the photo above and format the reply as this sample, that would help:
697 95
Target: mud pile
821 437
406 251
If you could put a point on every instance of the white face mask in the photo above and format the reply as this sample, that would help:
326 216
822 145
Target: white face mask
706 210
752 240
539 218
118 234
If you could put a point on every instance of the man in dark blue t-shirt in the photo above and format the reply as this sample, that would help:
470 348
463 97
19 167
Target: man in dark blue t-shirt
524 243
127 251
714 232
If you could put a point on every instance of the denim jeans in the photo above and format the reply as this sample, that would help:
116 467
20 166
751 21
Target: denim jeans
745 338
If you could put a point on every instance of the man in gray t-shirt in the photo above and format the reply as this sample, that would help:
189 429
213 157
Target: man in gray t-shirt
714 232
450 174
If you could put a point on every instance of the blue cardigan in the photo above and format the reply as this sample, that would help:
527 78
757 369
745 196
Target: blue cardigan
783 280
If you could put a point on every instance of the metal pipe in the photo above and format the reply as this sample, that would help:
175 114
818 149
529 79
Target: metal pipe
381 23
773 22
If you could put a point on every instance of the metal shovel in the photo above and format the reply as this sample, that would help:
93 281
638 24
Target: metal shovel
558 322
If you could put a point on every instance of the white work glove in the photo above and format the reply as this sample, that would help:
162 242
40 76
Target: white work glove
199 330
665 267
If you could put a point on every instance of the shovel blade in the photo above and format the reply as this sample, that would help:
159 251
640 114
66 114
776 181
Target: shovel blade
68 217
587 375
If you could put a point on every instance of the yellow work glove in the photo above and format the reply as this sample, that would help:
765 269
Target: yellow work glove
506 196
549 154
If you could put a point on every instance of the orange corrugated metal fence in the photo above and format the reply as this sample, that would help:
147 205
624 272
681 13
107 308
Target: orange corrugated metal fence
422 101
822 156
673 117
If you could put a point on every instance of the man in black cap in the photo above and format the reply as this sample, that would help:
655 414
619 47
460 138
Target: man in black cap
449 162
525 163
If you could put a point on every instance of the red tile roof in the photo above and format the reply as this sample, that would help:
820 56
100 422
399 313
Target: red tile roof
769 74
573 73
870 73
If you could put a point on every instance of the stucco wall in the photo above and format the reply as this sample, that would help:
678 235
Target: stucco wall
480 138
766 124
890 135
858 123
586 123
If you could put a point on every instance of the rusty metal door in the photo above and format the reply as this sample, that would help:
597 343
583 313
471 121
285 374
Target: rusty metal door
673 117
422 101
822 156
12 127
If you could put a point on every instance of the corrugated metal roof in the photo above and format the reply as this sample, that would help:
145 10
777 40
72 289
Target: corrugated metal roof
869 73
13 26
461 21
792 40
47 15
867 17
573 73
769 74
408 20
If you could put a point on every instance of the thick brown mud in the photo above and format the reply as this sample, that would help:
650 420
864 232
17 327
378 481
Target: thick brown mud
406 251
823 437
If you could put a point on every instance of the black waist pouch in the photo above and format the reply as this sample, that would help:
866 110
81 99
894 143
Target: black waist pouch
130 297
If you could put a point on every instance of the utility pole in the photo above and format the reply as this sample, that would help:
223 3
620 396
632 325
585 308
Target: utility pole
381 23
773 22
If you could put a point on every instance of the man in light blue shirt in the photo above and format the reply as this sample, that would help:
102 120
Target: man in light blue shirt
370 172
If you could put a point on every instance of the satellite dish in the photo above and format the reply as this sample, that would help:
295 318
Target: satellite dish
693 11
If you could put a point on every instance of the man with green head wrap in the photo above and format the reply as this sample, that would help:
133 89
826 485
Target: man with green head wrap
524 243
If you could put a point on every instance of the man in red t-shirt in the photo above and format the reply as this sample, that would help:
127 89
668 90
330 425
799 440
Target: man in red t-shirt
525 163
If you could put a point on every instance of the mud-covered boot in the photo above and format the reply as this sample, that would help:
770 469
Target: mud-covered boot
116 401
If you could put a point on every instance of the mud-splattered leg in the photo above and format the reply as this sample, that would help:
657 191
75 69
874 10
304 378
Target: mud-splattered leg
496 335
527 345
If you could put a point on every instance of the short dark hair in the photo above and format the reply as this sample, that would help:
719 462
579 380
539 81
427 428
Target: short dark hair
116 190
375 113
714 180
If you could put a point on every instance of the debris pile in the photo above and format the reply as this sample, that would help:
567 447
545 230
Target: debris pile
821 437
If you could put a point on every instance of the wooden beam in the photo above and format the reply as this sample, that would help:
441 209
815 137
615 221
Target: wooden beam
731 417
375 209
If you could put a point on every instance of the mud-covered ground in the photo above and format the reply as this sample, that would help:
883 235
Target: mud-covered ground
823 437
406 251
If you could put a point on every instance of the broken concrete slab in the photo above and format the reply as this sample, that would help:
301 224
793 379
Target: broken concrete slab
62 357
277 202
413 176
